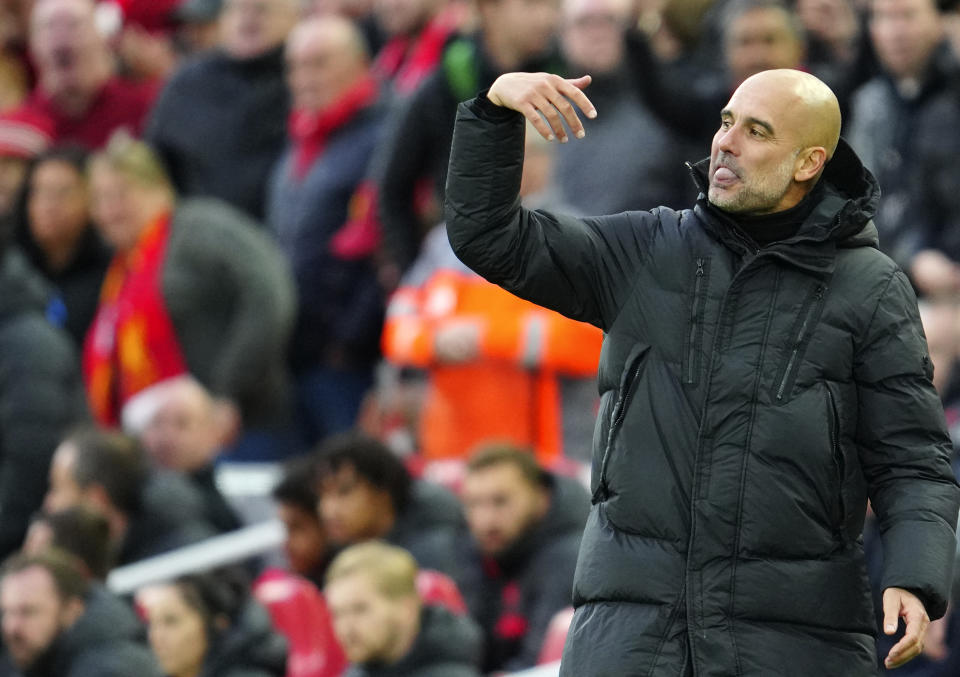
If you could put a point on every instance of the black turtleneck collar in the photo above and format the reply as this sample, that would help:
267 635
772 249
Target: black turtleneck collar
765 229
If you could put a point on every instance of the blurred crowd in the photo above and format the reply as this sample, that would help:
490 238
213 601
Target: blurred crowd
222 240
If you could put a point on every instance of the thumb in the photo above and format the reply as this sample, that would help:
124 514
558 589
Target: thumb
891 610
580 82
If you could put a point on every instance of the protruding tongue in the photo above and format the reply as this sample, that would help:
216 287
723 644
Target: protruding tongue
724 175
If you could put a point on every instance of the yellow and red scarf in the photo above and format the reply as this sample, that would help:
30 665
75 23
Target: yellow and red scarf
132 343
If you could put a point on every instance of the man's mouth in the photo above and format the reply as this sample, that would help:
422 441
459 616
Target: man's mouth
724 176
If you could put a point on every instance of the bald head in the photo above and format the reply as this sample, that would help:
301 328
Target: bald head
326 56
776 135
810 105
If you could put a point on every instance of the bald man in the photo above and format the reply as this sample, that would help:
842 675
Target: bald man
763 373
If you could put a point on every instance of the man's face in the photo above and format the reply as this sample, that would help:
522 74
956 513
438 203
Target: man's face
182 435
529 25
759 40
753 156
64 492
593 34
365 621
320 67
305 544
58 204
403 17
351 508
176 631
65 43
251 28
904 35
33 614
501 505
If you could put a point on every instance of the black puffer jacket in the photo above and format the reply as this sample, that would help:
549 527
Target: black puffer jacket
447 646
751 400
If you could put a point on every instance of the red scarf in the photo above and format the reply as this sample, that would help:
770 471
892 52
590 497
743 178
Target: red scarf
132 343
311 129
406 61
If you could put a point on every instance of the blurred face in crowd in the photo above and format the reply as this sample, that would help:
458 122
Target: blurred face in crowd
121 207
176 630
528 26
306 544
13 171
593 34
63 492
501 505
352 509
403 17
33 614
71 56
57 205
325 57
182 434
368 624
904 34
761 39
251 28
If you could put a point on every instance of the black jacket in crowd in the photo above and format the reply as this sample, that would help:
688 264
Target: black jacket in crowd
41 395
447 646
751 400
249 648
515 595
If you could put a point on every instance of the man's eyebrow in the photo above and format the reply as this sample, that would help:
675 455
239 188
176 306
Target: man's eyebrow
727 113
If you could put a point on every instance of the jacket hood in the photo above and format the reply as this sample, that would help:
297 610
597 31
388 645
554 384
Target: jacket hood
445 639
249 643
23 288
843 217
567 515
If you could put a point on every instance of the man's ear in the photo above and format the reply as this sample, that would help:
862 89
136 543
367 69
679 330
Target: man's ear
72 610
810 163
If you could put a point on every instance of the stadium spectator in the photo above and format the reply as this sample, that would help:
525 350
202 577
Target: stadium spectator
56 623
194 287
755 35
365 493
631 161
183 429
77 84
525 526
148 512
198 25
23 136
384 626
320 215
416 32
513 35
497 367
219 121
918 69
208 624
80 531
296 498
55 232
40 394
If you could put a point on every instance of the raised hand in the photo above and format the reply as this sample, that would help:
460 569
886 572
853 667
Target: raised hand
546 100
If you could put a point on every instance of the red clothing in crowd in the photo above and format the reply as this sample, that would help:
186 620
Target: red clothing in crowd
120 103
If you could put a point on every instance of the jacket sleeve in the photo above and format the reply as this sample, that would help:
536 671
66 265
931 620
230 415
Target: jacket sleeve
905 450
582 268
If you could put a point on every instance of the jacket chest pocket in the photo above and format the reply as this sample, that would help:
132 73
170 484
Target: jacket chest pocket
693 340
799 337
628 385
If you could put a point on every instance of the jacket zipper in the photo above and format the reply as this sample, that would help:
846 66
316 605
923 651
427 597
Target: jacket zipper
694 323
798 343
838 463
619 412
